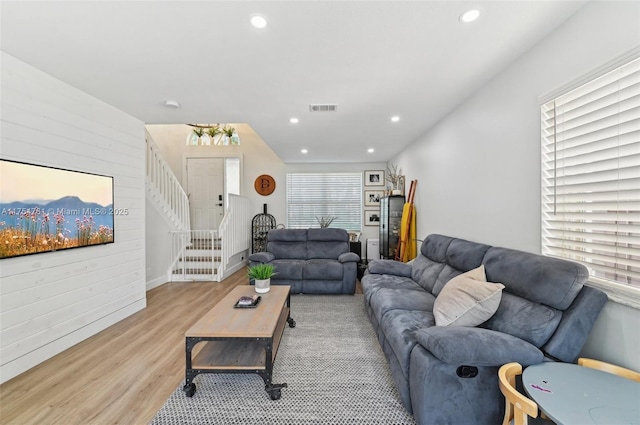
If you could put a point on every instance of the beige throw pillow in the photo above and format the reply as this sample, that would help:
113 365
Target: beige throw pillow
467 300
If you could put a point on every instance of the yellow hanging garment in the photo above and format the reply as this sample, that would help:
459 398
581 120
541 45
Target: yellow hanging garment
409 219
407 249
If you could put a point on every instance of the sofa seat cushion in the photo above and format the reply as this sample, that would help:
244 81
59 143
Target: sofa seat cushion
323 270
372 283
388 299
399 328
530 321
288 269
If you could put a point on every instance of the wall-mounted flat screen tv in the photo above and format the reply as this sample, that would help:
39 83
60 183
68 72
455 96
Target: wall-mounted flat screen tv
44 209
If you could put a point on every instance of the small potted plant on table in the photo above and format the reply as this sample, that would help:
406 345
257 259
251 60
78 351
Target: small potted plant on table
261 274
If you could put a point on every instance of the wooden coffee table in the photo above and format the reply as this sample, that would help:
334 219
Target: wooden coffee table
239 340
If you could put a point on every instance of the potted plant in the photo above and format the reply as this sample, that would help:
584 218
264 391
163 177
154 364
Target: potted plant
199 132
228 133
261 275
325 222
213 133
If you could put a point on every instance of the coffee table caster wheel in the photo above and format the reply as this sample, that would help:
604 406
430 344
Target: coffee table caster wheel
189 389
292 323
275 394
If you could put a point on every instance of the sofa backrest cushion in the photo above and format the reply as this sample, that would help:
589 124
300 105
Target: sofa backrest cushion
427 267
465 255
425 272
327 243
288 243
532 322
443 258
537 278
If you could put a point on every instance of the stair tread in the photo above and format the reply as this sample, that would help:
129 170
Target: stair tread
200 258
195 271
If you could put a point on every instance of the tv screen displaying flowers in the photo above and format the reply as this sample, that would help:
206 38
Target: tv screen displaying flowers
45 209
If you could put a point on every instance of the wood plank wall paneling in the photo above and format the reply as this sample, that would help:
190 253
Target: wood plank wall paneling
51 301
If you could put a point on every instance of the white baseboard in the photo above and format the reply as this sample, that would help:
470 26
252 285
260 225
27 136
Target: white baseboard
154 283
231 270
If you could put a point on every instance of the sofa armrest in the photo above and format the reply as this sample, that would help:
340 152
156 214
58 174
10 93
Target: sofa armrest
396 268
262 257
477 346
349 257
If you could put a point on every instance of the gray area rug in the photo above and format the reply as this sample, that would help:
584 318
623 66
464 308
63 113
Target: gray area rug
332 362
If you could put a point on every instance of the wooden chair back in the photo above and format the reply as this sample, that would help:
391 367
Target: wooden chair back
517 407
611 368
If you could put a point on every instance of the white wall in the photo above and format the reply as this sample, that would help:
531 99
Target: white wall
478 169
158 246
52 301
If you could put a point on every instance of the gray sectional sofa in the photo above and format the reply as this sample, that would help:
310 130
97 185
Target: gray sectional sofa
448 374
311 261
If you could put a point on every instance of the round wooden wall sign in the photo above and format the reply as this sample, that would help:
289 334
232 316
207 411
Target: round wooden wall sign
265 185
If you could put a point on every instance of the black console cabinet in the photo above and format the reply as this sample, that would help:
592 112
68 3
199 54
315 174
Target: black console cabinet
390 218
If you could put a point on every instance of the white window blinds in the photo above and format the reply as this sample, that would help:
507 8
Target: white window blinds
311 195
591 175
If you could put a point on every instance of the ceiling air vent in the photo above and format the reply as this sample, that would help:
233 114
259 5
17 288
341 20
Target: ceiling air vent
323 108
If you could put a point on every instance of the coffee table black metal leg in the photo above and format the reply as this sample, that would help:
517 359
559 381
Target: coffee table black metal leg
189 387
274 390
290 321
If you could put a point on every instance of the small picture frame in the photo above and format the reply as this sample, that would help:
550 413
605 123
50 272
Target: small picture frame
374 178
372 197
354 236
372 218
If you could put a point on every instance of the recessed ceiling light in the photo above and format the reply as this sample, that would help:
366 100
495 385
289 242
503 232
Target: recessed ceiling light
294 120
371 150
469 16
304 150
258 21
395 118
172 104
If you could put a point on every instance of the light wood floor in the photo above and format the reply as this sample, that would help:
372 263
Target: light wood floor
122 375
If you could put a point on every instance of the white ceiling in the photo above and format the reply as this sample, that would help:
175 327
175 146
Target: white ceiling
374 59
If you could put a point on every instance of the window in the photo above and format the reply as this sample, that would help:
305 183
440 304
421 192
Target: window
311 195
591 177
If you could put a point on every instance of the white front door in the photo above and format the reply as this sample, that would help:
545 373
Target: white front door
205 186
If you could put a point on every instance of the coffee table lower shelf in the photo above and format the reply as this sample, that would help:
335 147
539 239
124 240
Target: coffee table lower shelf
236 355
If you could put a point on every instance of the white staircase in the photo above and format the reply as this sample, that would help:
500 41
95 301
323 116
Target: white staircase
197 255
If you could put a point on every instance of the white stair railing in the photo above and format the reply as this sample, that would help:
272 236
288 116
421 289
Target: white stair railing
165 189
234 231
209 254
196 255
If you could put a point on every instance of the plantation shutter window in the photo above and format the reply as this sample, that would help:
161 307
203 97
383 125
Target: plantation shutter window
591 176
311 195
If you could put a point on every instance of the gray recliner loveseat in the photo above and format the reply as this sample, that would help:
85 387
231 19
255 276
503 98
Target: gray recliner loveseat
311 261
448 374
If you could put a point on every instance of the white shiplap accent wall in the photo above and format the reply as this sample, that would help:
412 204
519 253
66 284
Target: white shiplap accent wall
51 301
